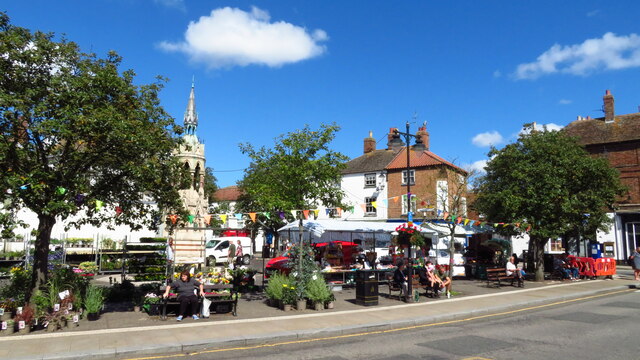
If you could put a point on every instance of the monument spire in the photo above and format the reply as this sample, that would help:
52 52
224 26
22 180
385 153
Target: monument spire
190 115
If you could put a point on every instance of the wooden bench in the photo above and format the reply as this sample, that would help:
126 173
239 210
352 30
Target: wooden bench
213 293
497 275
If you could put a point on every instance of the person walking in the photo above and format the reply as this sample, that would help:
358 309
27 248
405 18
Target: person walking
231 254
636 263
239 253
185 287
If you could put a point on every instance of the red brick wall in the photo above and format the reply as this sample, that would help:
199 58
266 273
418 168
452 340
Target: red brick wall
624 157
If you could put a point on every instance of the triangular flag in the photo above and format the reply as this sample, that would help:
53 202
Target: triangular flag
385 202
252 215
458 220
445 215
173 218
528 228
306 214
238 216
207 219
294 213
472 222
60 190
364 207
267 215
466 221
99 204
395 199
316 212
495 225
191 218
374 204
350 209
281 214
339 210
223 217
327 211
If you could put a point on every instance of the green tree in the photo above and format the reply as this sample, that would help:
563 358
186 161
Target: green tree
299 172
210 184
78 135
548 181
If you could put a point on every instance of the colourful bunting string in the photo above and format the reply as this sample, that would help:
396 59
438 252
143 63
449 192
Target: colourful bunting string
316 212
223 218
294 213
267 215
191 218
207 219
306 214
173 218
374 204
252 215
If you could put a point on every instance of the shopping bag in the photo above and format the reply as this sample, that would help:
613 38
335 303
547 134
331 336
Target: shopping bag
206 303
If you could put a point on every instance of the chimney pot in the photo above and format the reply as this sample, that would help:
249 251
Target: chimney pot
369 143
608 107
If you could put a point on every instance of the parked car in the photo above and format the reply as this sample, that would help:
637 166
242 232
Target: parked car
216 249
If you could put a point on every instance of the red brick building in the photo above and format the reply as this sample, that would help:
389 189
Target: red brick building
616 138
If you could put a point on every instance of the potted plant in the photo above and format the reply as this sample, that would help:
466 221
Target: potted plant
25 319
330 301
93 302
151 304
317 291
8 327
289 296
274 289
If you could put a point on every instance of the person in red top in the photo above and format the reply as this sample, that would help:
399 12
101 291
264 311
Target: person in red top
239 253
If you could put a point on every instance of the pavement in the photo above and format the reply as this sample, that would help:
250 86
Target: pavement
122 333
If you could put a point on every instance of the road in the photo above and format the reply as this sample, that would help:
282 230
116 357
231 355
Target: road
605 326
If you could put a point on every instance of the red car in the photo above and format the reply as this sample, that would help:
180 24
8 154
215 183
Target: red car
281 263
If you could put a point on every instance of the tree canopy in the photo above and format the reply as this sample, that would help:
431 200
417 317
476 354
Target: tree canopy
299 172
79 136
546 179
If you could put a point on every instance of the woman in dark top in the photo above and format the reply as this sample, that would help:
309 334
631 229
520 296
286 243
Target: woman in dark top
185 287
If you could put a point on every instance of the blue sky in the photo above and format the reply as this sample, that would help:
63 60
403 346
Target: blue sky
475 71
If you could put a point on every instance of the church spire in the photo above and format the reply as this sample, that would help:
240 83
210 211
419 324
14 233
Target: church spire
190 115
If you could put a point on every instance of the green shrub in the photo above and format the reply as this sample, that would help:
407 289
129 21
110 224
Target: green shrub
88 267
153 240
274 287
317 290
94 299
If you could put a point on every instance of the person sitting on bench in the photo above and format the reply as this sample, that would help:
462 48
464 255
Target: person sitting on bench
512 270
401 279
185 287
434 282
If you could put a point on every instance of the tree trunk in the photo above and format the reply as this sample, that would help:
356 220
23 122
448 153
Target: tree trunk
451 251
538 250
41 256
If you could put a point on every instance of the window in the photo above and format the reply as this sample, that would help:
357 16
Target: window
370 180
442 195
404 204
463 206
370 210
412 177
555 245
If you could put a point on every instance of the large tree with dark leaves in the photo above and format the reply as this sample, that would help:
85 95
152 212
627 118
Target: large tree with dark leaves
79 137
546 179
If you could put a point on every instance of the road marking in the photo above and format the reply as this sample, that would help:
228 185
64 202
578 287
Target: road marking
476 358
292 342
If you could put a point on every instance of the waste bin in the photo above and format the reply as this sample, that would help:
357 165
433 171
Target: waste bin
366 288
596 250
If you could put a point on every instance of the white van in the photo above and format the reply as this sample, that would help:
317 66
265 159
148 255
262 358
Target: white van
217 249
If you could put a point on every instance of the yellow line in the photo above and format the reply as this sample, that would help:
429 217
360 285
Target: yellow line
382 331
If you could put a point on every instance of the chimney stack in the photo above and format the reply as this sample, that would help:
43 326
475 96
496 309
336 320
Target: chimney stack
390 137
424 135
608 107
369 143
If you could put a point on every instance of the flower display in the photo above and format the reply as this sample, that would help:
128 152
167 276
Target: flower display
409 235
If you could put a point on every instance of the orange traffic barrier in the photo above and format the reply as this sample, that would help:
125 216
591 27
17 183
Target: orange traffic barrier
586 266
605 267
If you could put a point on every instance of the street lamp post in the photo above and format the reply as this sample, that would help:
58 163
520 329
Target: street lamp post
419 147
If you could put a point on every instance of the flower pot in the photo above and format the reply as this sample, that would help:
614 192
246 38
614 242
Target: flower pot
301 304
93 316
286 307
329 304
318 305
25 330
136 308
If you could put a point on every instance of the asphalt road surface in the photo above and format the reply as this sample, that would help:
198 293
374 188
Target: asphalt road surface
602 327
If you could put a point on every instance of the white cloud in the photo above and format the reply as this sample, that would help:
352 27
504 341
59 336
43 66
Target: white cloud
478 166
232 37
541 127
610 52
497 74
487 139
564 102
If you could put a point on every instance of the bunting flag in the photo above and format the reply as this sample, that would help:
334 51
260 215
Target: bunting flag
238 216
252 215
24 187
496 225
453 218
364 207
207 219
458 220
385 202
267 215
339 210
191 218
350 209
294 213
60 190
173 218
395 199
374 204
281 214
528 228
223 217
445 215
99 204
327 211
306 214
471 222
466 221
118 210
316 212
